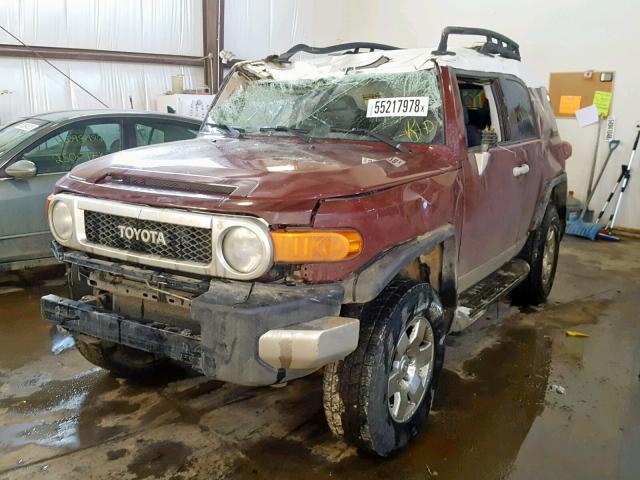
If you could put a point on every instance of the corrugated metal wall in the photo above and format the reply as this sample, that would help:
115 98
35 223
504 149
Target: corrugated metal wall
27 86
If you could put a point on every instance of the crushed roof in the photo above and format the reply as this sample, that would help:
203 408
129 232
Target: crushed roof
392 61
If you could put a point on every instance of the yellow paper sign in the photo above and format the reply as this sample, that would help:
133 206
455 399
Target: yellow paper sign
602 101
569 104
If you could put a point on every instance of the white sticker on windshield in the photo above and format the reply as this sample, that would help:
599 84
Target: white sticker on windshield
27 127
367 160
396 162
398 107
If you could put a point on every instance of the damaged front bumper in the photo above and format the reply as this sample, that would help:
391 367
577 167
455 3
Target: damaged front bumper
250 333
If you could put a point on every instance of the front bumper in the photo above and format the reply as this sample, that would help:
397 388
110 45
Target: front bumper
250 334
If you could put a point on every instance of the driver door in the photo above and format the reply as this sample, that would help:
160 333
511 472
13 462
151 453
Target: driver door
491 192
24 233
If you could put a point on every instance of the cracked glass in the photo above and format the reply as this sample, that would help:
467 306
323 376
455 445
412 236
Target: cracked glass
329 107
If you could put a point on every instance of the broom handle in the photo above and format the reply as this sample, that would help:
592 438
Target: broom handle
613 144
595 160
612 147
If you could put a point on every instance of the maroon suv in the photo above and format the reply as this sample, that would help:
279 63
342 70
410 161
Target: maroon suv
345 211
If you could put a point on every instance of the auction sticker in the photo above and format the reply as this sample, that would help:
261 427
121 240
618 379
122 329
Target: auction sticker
27 127
398 107
396 162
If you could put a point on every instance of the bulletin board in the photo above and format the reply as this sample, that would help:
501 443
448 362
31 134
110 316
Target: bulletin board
574 84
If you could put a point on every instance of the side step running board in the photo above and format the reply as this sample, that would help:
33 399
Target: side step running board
474 301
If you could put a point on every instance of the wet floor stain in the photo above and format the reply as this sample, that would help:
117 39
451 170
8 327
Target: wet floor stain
56 415
116 454
24 335
159 458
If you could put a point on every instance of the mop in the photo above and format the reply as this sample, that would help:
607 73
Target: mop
580 228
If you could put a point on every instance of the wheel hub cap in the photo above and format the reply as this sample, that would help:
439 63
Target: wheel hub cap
411 370
549 255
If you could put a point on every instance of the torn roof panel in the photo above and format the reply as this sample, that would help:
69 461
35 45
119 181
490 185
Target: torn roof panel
391 61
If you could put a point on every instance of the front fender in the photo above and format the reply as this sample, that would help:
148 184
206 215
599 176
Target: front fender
367 283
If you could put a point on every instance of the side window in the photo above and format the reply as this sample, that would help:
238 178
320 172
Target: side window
73 145
544 106
111 133
479 110
520 119
150 132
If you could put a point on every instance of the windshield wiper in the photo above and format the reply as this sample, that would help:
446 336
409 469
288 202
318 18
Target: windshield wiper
378 136
301 134
236 132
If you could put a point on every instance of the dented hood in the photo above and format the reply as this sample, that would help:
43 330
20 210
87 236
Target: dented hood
270 177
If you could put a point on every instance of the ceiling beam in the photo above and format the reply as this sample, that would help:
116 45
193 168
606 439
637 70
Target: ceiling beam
56 53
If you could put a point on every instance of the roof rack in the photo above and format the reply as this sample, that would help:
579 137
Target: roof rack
496 44
347 48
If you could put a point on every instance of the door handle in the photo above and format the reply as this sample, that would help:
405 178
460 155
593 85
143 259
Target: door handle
521 170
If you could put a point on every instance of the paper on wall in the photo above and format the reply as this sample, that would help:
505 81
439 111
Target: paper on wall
602 101
587 116
569 104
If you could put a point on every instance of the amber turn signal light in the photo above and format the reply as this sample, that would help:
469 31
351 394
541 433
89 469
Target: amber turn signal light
314 246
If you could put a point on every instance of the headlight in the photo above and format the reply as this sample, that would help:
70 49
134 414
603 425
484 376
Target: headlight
61 221
242 249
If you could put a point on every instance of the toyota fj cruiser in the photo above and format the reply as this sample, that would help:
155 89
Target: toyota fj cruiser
344 211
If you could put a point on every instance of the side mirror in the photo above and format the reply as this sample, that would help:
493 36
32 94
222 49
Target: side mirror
22 169
489 140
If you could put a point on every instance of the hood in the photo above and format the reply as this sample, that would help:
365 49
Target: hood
229 173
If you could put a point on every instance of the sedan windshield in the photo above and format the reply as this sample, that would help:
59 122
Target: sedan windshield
15 133
402 107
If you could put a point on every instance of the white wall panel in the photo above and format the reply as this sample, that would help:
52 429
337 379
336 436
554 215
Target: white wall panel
153 26
256 28
555 36
35 87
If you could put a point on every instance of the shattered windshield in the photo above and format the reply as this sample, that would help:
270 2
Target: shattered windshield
405 107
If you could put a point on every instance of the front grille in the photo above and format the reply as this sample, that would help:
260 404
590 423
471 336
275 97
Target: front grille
177 242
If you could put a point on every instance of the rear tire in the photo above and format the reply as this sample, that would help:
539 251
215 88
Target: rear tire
378 397
541 252
120 360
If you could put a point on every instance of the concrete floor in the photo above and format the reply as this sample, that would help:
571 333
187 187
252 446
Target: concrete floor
497 413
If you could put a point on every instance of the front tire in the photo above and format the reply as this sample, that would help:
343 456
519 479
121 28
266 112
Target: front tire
378 398
541 252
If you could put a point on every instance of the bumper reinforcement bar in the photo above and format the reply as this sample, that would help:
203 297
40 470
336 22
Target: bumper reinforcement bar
160 339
